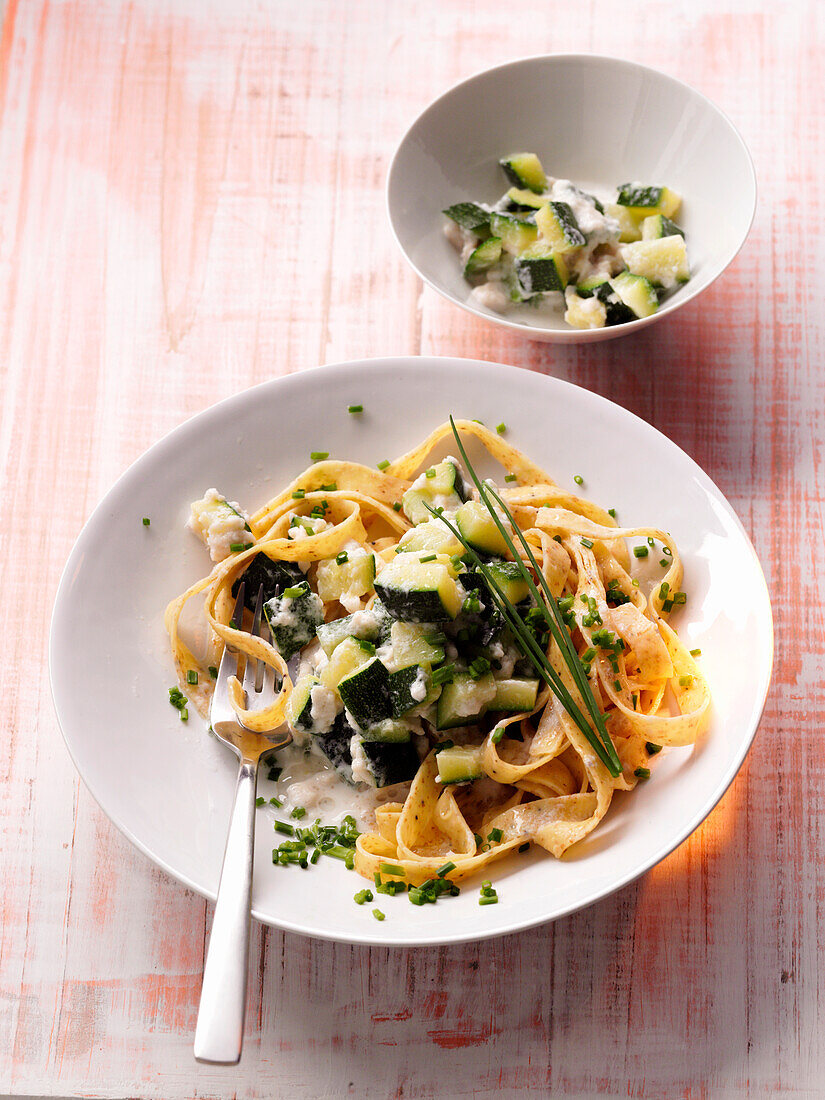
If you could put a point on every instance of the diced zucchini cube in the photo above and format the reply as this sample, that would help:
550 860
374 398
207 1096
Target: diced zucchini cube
479 528
514 233
353 577
409 688
416 644
558 226
584 313
629 227
364 693
643 200
432 537
350 655
390 731
459 764
484 257
509 578
522 199
418 592
657 225
390 762
464 700
524 170
539 269
444 487
365 625
515 695
272 574
469 215
294 619
636 293
662 261
299 704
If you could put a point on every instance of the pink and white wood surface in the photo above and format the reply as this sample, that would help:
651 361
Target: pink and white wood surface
191 200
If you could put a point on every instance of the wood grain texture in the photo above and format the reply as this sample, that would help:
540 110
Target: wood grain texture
153 258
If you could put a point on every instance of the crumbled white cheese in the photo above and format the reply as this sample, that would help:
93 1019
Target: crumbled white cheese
221 524
360 765
418 688
492 295
323 708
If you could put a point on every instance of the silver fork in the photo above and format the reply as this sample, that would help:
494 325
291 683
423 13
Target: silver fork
219 1032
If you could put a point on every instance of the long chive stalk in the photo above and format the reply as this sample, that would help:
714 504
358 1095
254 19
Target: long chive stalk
532 650
563 639
600 739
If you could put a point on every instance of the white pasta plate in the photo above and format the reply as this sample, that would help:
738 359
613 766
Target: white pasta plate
598 121
168 786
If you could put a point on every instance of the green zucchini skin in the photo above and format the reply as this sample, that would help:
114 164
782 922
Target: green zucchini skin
400 689
484 257
365 693
388 762
273 575
306 612
469 215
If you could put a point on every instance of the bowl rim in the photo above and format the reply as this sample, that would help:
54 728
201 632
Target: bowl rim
571 335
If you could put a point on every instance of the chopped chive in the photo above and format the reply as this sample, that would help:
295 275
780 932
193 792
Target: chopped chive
664 563
510 477
355 408
664 590
587 542
498 733
363 895
642 773
333 485
349 861
299 494
685 681
316 855
650 541
524 847
495 835
478 840
191 676
276 802
391 869
668 553
488 899
318 456
667 606
443 675
428 557
652 748
501 428
146 521
213 672
376 878
285 828
378 914
260 801
295 591
445 869
635 699
430 472
383 464
589 654
397 505
696 653
611 512
298 813
640 551
237 547
341 558
579 480
617 685
680 597
274 774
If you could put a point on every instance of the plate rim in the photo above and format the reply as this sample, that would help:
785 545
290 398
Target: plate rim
573 336
405 362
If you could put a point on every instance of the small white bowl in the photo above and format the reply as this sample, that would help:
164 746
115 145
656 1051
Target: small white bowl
598 121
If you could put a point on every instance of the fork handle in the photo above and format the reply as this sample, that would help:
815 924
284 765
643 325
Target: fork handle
219 1032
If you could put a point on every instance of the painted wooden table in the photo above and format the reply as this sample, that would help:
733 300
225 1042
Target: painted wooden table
191 201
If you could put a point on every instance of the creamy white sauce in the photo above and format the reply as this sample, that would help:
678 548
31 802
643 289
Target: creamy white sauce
323 708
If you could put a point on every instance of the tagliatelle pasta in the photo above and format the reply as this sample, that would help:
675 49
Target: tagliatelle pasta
412 682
